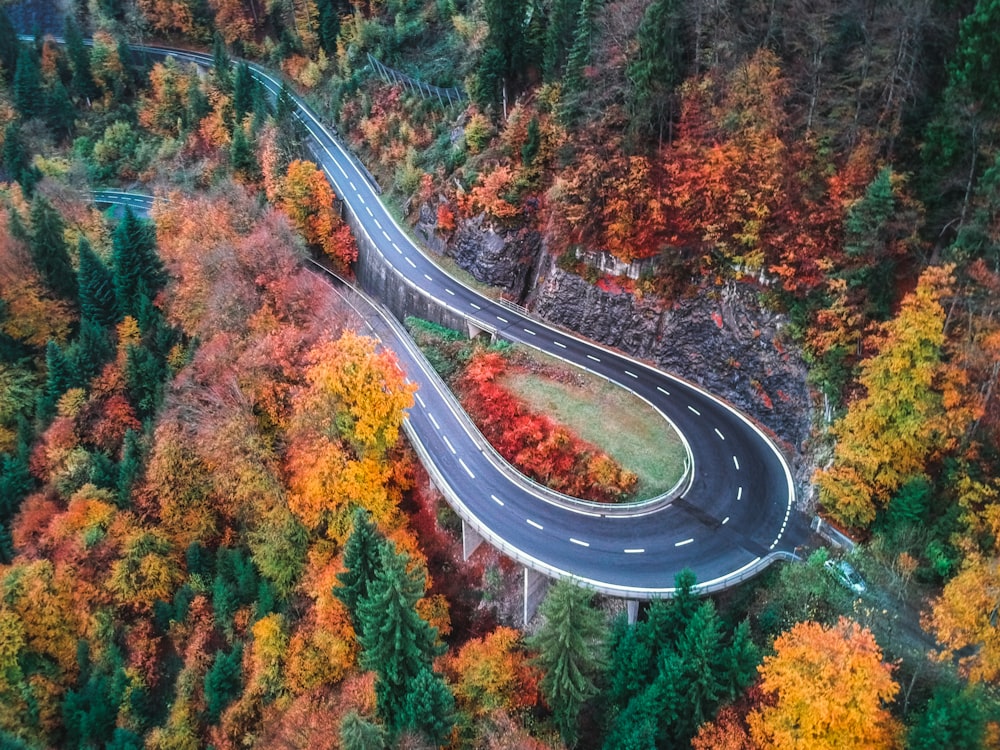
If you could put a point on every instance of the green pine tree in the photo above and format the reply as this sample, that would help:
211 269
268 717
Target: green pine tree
362 558
49 251
955 718
27 85
82 83
358 734
58 378
396 642
135 267
96 287
221 65
657 70
244 87
429 707
570 645
16 483
242 157
89 352
559 28
579 58
329 24
223 682
9 46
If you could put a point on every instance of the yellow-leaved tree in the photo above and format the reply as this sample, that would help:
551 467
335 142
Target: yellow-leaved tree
903 420
344 425
830 689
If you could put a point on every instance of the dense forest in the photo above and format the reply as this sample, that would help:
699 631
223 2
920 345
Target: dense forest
212 531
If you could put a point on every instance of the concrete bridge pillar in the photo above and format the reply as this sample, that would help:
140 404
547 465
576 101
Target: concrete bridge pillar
535 586
632 607
470 540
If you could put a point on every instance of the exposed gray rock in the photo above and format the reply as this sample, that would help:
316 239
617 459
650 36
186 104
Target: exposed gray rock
721 339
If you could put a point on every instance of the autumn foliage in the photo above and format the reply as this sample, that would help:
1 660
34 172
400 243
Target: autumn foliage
308 199
533 442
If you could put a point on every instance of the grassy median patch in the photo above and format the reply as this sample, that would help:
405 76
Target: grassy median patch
621 424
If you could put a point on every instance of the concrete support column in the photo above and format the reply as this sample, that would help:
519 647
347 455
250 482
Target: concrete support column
632 607
470 540
535 586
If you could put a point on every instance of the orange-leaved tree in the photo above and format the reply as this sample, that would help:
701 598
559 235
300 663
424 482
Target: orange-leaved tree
344 425
308 199
492 673
831 690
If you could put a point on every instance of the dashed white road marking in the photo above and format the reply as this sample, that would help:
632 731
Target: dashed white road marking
533 523
369 211
497 500
449 291
428 277
591 356
354 187
467 469
736 461
739 493
725 520
419 400
448 443
721 436
631 374
559 344
694 410
474 306
433 421
412 264
686 541
528 330
379 225
502 320
581 543
664 391
636 551
384 233
362 199
396 247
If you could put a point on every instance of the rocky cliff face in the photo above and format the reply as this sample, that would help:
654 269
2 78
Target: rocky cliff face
720 338
503 259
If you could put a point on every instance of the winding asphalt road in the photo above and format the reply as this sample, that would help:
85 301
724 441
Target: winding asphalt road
733 517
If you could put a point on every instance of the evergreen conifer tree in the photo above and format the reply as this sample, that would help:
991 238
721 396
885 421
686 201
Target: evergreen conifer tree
17 164
49 251
223 682
396 642
570 645
358 734
96 287
244 87
362 558
221 64
130 466
58 378
9 46
82 82
561 21
579 58
657 70
16 482
27 85
136 268
242 157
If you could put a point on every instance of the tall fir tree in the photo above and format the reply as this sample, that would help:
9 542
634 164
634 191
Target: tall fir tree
657 70
136 268
223 682
244 92
221 65
130 467
358 734
27 85
570 645
396 642
58 378
16 482
559 28
82 82
96 287
362 558
49 251
17 164
9 46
